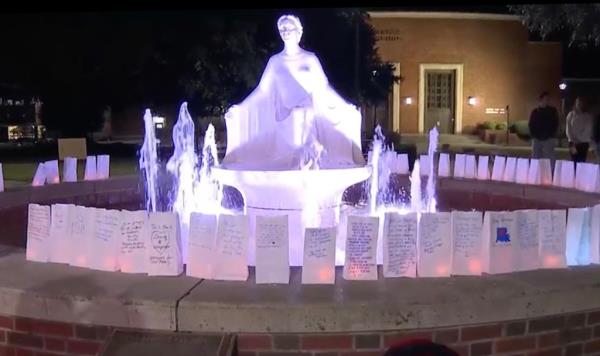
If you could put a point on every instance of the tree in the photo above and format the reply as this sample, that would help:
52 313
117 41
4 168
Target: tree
80 62
581 22
223 65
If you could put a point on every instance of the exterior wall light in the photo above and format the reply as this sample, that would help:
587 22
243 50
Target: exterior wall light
472 101
408 100
562 86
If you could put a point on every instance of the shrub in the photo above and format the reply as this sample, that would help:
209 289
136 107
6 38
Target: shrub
501 126
521 128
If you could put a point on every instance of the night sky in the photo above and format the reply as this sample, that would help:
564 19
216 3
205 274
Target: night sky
24 41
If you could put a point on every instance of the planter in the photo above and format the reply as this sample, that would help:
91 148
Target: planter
489 136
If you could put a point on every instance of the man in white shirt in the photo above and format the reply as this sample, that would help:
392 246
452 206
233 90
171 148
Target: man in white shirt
579 131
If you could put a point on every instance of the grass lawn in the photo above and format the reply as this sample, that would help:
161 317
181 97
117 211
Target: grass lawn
24 171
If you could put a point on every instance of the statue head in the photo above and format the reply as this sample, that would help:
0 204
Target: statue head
290 29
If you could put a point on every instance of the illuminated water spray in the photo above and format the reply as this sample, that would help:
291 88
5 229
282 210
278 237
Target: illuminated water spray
149 162
415 188
433 142
193 188
183 166
380 195
376 150
209 191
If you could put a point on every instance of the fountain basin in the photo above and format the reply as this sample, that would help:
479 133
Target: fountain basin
310 198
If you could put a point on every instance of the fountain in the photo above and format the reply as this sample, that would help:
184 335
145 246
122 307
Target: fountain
293 145
293 148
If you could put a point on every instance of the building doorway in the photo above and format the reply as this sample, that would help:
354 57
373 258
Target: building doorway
440 98
440 110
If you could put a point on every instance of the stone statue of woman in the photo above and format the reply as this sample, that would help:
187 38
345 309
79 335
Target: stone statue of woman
294 119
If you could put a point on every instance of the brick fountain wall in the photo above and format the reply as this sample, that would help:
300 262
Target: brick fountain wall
562 334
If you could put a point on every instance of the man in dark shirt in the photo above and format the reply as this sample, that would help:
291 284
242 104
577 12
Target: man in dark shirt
543 125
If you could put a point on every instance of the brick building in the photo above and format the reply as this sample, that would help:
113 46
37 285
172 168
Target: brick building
461 69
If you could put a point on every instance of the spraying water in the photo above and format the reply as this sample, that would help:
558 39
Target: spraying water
415 188
433 142
194 189
376 150
209 191
149 162
183 167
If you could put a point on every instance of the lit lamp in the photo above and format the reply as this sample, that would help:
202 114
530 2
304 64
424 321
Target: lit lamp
562 86
472 101
159 122
408 100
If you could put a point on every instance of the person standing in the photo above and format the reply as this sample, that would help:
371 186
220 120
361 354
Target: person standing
596 136
543 126
579 131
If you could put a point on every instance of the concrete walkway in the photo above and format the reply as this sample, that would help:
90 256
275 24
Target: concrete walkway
77 295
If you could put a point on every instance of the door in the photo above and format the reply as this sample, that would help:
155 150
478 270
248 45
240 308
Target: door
440 110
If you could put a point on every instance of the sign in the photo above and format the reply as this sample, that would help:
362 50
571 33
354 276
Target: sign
72 147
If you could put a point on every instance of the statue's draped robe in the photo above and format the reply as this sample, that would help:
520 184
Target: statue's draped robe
265 129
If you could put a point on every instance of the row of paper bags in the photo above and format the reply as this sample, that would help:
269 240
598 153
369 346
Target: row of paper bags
434 244
567 174
96 167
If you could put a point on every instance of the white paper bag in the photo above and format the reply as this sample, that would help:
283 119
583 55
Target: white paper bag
403 163
498 168
556 175
595 235
231 255
499 239
510 170
272 251
567 174
424 165
459 165
528 243
586 177
40 176
83 230
466 242
1 178
134 240
534 173
578 236
70 169
103 253
434 243
400 245
319 256
52 175
470 167
90 168
38 233
202 244
164 255
545 171
103 167
444 165
553 244
361 246
60 233
522 170
483 168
